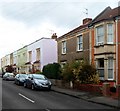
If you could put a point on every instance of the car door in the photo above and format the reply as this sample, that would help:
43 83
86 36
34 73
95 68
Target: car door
16 78
29 80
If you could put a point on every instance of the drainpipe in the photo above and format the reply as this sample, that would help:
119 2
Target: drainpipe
116 52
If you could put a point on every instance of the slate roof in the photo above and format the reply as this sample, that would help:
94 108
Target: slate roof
106 14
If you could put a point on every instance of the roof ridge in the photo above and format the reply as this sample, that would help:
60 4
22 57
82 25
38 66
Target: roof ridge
107 9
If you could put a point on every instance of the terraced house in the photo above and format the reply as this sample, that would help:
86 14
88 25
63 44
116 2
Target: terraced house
74 45
40 53
105 44
32 57
96 41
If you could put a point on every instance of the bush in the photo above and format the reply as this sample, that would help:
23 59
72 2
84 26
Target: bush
67 73
80 71
88 74
70 71
52 71
38 72
9 68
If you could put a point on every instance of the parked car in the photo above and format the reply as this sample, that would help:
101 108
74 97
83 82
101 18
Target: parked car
20 79
37 81
9 76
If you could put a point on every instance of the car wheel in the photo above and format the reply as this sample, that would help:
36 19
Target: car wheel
14 82
25 85
18 83
33 87
49 88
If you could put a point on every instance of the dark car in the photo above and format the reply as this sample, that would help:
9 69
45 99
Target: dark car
20 79
9 76
37 81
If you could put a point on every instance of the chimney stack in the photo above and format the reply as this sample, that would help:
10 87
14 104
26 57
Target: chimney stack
54 36
87 20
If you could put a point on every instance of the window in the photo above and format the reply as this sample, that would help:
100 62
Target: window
23 54
63 47
30 56
63 64
100 67
38 54
99 35
110 68
110 33
79 43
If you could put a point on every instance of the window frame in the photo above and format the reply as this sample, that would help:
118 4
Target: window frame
30 56
99 67
111 68
102 34
37 54
108 33
80 43
64 47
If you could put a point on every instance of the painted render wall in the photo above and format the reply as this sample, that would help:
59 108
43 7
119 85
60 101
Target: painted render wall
48 51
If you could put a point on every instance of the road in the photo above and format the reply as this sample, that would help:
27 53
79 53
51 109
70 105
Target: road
18 97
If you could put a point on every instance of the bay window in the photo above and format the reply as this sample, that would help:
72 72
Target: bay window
110 33
99 35
110 68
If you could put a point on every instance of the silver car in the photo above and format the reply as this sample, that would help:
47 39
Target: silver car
9 76
37 81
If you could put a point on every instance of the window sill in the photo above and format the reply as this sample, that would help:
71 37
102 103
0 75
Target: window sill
80 50
63 54
96 46
109 44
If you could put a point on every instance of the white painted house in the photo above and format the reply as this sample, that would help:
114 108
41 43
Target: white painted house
40 53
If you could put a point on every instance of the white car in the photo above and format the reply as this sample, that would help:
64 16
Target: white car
9 76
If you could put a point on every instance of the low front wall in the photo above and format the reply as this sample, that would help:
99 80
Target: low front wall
60 83
83 87
92 88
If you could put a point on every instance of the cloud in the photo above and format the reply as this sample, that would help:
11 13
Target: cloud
24 21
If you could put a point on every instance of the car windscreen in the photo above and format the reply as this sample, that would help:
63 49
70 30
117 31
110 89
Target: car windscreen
37 76
23 75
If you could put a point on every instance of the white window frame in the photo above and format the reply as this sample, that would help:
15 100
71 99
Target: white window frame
63 64
98 42
99 68
80 43
111 33
37 54
30 56
64 47
111 68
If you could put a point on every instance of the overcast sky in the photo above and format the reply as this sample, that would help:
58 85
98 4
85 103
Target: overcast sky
24 21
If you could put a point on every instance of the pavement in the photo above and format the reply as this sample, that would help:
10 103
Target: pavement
95 98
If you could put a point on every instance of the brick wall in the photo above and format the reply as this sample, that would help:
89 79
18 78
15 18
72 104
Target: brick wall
72 53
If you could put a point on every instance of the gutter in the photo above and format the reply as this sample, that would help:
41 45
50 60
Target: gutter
116 51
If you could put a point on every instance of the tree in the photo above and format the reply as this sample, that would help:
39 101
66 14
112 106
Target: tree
80 71
9 69
52 71
88 74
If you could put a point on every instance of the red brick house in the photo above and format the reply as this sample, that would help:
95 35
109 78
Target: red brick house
105 44
74 45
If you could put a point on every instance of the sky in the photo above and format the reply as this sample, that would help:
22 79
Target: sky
25 21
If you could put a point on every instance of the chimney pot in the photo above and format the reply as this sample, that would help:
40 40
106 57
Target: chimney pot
87 20
54 36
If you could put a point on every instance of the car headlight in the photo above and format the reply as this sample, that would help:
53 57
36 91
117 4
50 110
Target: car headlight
36 82
50 83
